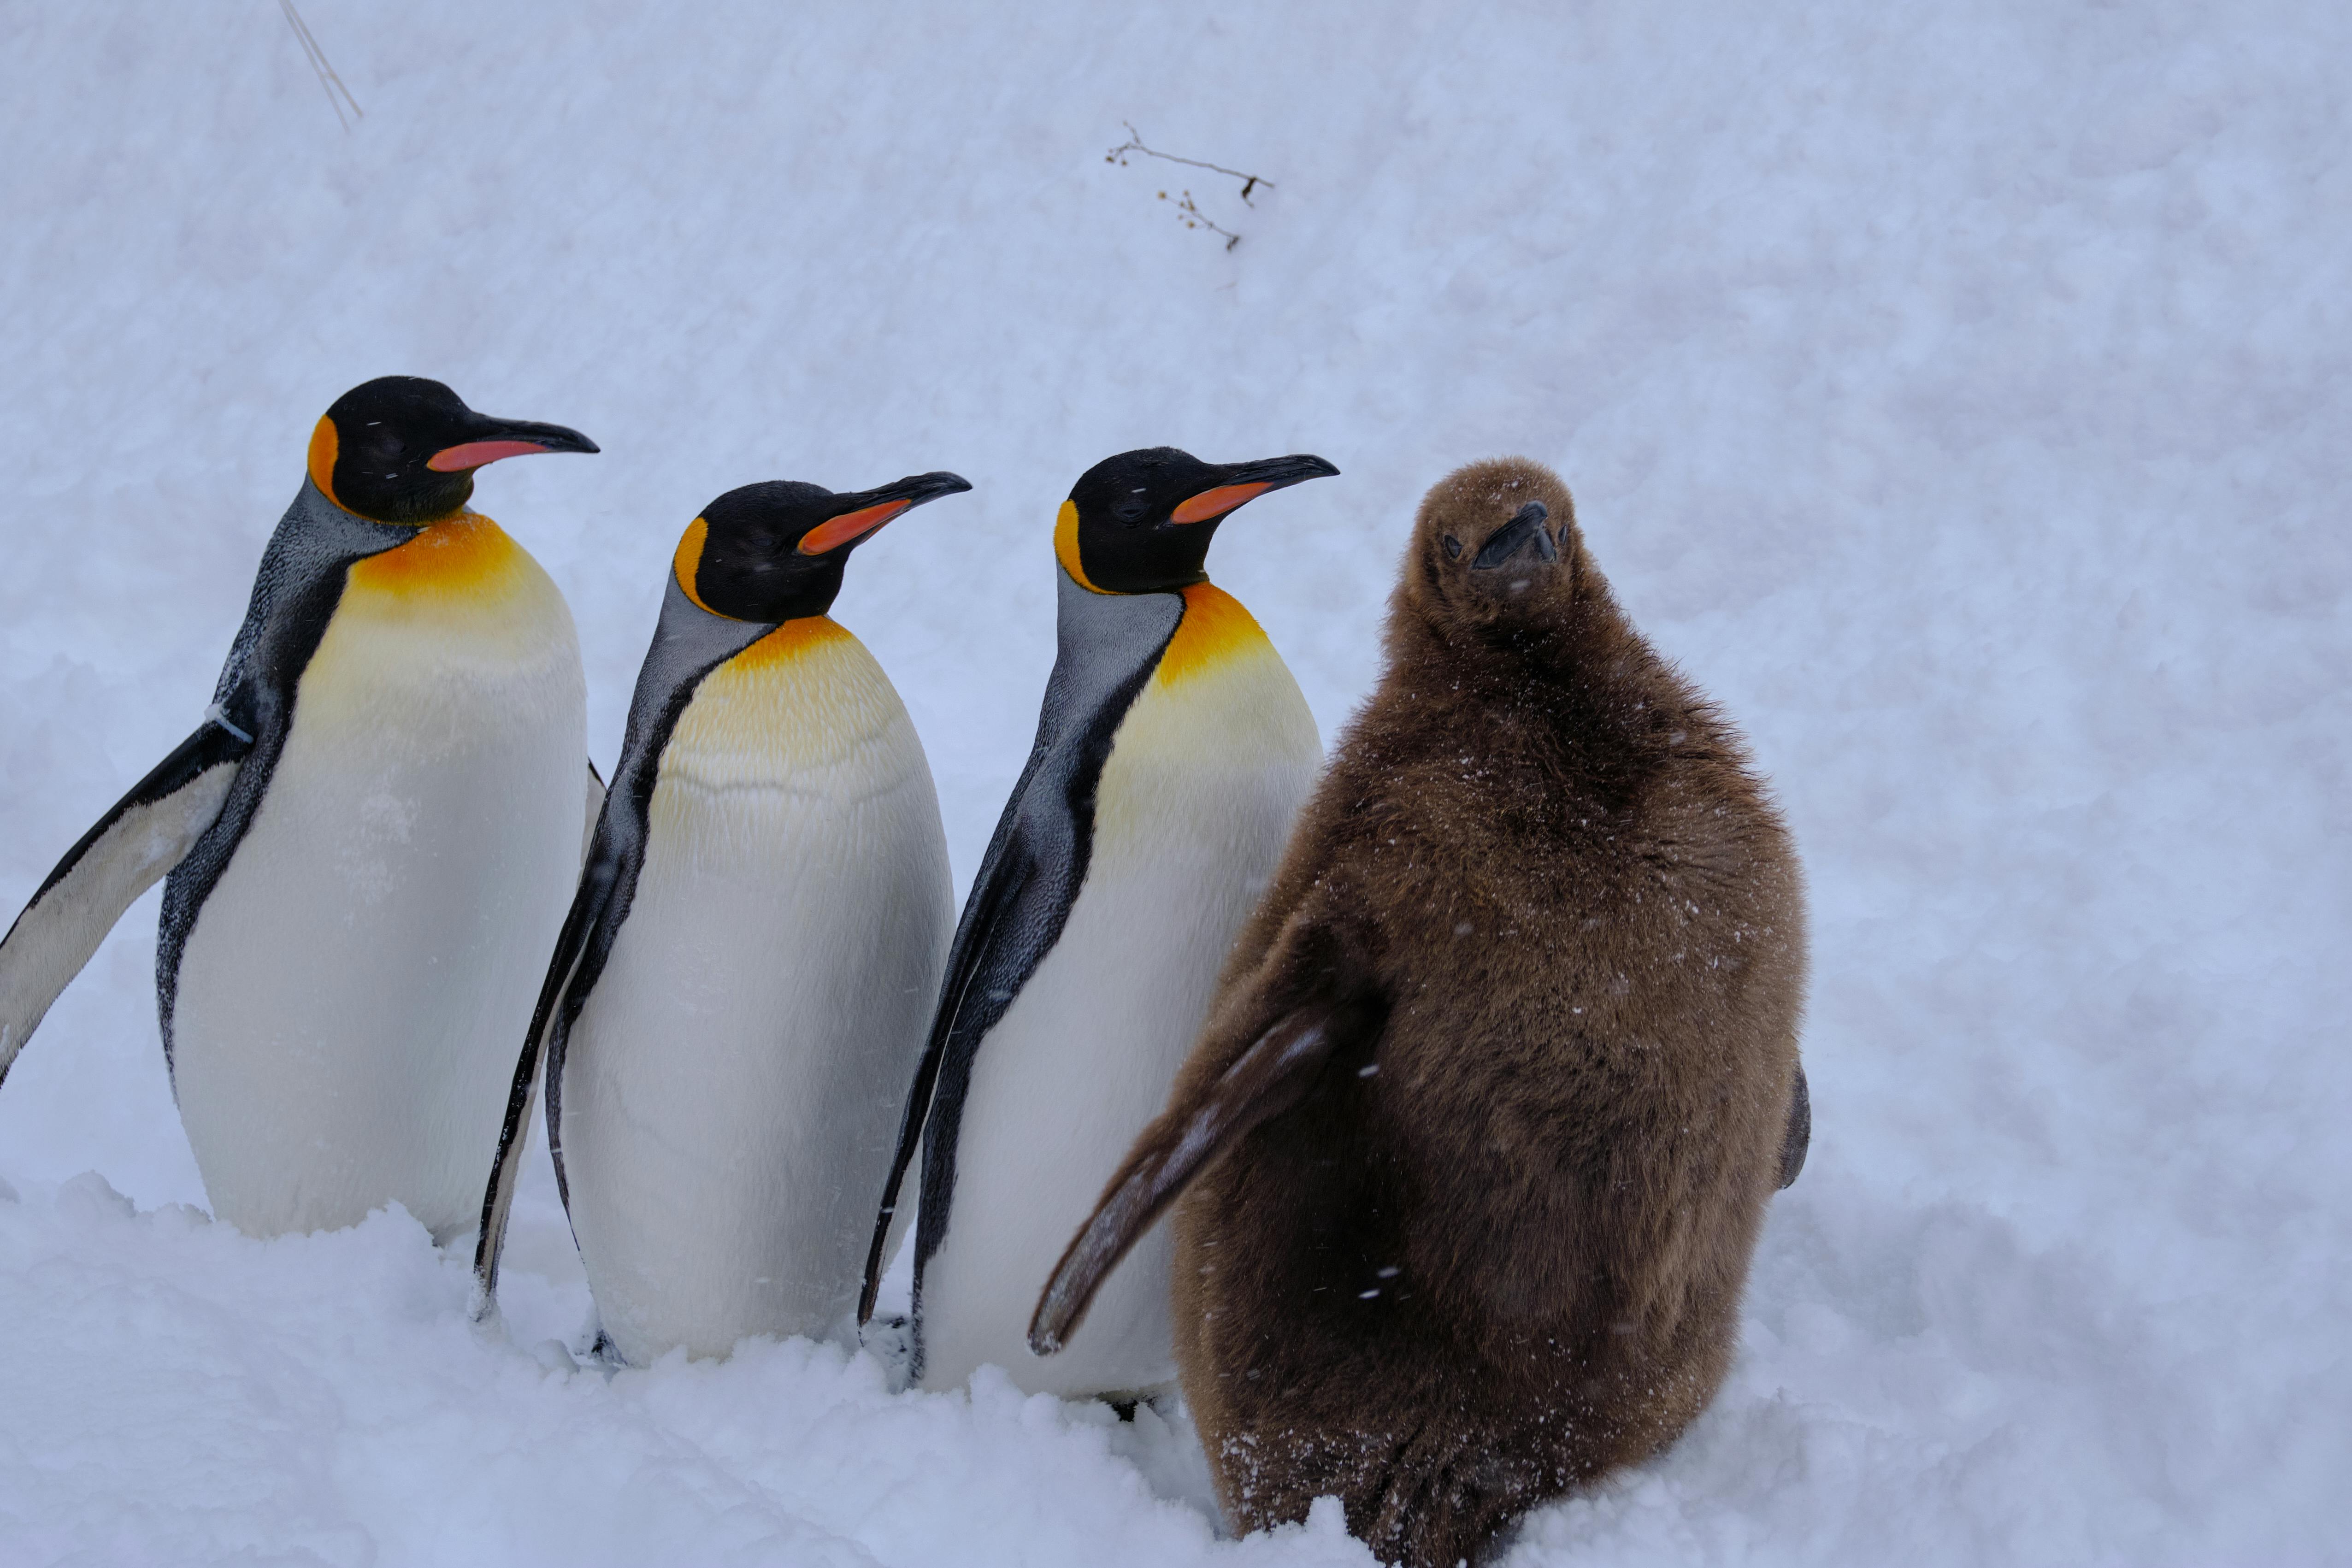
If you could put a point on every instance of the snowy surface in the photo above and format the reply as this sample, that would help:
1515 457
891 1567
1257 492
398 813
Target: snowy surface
1965 396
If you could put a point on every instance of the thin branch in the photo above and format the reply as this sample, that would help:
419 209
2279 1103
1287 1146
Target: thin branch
320 66
1134 144
1193 218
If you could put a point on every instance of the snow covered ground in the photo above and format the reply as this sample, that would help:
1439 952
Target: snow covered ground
1963 396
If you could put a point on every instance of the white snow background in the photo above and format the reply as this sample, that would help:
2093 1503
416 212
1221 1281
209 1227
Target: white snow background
1963 394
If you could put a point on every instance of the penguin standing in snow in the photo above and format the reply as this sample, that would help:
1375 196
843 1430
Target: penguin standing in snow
370 838
1475 1149
739 995
1172 754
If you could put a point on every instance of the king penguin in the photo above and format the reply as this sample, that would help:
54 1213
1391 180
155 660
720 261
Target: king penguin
371 837
741 991
1172 751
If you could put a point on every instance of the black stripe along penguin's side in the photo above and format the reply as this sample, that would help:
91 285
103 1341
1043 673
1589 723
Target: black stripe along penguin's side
739 995
371 839
1172 751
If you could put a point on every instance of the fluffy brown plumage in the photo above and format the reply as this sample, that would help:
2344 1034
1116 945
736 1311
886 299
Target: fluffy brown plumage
1500 1077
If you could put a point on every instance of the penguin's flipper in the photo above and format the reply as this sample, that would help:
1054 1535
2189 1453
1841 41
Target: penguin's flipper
1800 1136
548 1020
1266 1081
148 832
689 643
1007 871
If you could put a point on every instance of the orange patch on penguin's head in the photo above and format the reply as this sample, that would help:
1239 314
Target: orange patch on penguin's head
403 449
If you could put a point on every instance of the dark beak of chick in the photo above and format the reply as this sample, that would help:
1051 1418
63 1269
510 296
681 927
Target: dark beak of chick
1512 538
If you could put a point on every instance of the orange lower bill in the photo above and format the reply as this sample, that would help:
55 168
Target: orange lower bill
835 531
1216 502
478 454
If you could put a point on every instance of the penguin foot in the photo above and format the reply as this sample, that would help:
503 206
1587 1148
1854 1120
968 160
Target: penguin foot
891 1340
593 1347
482 1308
1125 1403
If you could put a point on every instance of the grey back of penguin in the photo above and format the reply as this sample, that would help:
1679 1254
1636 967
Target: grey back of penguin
1500 1075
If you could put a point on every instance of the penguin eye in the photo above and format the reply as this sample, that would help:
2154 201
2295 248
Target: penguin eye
1452 547
380 446
1131 509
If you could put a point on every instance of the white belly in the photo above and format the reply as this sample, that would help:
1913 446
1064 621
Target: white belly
1196 800
732 1089
354 993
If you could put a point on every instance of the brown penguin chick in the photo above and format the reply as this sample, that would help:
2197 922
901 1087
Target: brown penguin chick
1480 1132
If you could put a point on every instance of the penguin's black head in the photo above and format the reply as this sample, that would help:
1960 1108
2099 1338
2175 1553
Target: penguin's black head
1140 522
403 449
1495 547
774 552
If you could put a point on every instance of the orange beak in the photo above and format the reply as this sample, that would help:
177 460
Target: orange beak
835 531
478 454
1216 502
496 438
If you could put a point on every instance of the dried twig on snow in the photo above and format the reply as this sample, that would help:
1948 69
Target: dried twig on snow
324 71
1188 211
1134 144
1193 218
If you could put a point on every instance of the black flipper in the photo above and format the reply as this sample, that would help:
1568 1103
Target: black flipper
603 872
148 832
184 819
1107 648
295 593
1004 876
1800 1136
1266 1081
689 643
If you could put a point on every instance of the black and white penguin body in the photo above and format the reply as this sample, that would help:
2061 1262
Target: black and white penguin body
1174 750
369 840
741 992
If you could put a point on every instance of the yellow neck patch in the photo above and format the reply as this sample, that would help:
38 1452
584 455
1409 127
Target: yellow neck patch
324 444
1065 547
789 641
688 560
1215 628
463 556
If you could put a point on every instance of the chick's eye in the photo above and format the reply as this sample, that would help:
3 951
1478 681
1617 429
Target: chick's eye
1452 547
